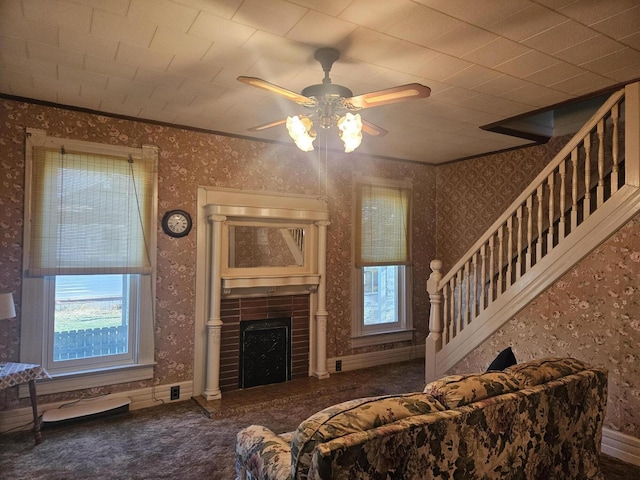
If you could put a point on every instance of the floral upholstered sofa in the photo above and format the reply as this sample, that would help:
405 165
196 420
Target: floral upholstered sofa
535 420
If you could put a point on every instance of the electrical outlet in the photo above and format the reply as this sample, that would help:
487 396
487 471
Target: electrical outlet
338 365
175 392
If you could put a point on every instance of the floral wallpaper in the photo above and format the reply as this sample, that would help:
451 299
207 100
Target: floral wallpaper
473 193
189 159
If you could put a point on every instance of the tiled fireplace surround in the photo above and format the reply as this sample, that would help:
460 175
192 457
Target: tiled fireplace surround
233 311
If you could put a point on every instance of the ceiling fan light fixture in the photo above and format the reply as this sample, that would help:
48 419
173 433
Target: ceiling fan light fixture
350 127
299 129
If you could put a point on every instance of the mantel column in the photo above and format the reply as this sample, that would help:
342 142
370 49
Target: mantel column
321 312
214 324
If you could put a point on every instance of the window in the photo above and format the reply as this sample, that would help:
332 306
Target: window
382 266
89 261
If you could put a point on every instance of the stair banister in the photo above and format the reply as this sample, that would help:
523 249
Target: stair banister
441 286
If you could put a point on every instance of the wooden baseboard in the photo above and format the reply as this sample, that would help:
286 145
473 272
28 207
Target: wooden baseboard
382 357
621 446
22 418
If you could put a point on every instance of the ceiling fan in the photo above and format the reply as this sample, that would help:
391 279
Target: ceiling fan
331 105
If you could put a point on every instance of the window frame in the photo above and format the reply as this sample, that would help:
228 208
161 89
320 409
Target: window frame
37 316
364 335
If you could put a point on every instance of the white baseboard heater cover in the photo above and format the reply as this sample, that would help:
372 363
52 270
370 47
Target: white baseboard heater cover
86 408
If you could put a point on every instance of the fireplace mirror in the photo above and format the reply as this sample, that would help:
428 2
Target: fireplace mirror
266 245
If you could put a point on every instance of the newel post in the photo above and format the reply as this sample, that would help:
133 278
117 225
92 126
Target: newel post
434 339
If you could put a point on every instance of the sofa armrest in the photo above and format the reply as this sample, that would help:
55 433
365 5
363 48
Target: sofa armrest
262 455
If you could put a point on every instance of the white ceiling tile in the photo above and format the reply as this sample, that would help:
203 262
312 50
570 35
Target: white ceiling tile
202 90
236 58
330 7
472 77
218 29
588 50
109 67
53 85
501 85
185 67
626 73
632 41
145 57
17 82
476 12
163 13
158 115
92 103
527 23
13 24
183 109
591 12
13 46
268 47
48 53
406 57
621 25
318 29
31 66
377 14
560 37
358 45
584 83
101 94
127 30
527 64
129 87
171 41
221 8
81 77
463 39
532 94
608 63
552 74
90 44
112 105
412 26
119 7
495 105
60 13
497 52
441 67
158 78
273 16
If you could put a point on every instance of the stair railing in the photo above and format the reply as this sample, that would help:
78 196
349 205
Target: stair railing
535 223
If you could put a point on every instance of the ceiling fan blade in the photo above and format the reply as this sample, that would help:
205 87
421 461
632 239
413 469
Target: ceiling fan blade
372 129
401 93
283 92
265 126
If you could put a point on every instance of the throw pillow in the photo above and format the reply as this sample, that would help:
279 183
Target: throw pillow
505 359
457 390
357 415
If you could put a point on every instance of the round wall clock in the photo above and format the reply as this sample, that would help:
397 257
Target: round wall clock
176 223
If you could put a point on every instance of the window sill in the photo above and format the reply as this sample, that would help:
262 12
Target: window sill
381 337
66 382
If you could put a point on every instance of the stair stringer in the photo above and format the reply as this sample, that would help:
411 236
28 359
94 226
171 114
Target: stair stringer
598 227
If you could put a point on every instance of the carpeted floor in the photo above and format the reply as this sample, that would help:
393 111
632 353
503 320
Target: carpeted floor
182 441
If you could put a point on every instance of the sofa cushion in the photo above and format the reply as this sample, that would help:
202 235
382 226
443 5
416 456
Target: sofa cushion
457 390
536 372
505 359
353 416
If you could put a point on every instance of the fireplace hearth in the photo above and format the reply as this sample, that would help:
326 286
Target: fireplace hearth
265 352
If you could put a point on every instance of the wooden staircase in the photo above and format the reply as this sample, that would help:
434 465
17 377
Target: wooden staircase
583 196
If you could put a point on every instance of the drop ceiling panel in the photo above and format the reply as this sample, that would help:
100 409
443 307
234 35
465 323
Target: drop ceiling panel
178 61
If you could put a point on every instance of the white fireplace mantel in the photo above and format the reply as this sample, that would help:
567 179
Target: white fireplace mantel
216 278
